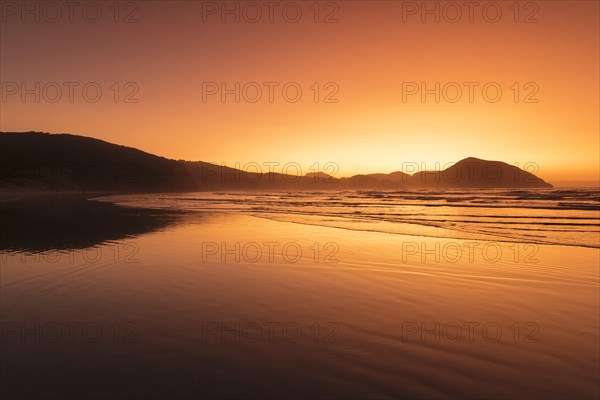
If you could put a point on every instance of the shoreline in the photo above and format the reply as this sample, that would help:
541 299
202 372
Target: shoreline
304 219
12 198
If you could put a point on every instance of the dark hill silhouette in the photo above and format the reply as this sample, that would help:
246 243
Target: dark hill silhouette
476 173
69 162
38 161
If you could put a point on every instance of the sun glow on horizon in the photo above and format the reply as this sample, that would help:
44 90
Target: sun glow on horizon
357 109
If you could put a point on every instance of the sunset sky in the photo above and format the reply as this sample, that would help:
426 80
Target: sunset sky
373 51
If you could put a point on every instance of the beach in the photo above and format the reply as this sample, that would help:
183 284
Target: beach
300 310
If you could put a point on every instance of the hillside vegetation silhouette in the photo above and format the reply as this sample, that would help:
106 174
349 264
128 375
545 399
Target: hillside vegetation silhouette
43 161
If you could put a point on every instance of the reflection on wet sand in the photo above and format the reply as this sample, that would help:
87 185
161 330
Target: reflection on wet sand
72 221
223 304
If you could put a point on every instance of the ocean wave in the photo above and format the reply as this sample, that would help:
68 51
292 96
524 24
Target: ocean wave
570 217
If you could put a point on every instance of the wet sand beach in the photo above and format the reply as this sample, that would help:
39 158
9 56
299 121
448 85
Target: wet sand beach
299 310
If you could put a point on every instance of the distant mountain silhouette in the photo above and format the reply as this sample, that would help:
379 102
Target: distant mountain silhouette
42 161
317 176
208 176
397 177
394 180
476 173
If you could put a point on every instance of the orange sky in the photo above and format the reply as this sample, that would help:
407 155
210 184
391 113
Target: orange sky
369 54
